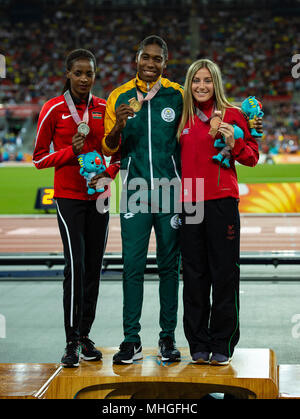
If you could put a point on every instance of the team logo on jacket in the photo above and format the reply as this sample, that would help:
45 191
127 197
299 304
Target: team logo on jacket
168 114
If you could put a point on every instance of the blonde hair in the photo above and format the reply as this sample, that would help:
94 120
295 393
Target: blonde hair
222 102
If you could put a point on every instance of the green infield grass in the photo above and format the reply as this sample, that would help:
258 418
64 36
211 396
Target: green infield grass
19 185
18 188
269 173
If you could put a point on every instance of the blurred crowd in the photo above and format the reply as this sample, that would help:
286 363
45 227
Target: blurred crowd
254 51
35 52
11 147
282 129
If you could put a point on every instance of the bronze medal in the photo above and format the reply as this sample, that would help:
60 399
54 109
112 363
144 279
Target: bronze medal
215 121
135 105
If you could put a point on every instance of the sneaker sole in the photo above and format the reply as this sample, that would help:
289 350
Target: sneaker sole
216 363
90 358
70 365
175 359
170 359
135 357
200 361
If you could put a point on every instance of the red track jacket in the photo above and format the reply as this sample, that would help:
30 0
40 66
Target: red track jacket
56 128
197 150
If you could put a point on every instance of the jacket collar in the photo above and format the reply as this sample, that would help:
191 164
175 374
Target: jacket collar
143 85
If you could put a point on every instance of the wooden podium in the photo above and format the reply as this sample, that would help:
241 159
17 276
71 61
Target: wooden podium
252 373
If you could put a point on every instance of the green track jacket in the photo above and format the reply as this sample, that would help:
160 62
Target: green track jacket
149 147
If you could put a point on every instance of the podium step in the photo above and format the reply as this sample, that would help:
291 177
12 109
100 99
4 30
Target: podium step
26 381
289 381
252 373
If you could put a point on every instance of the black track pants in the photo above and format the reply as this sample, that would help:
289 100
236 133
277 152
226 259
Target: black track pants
210 257
84 232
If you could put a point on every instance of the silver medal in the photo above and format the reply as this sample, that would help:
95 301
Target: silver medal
83 128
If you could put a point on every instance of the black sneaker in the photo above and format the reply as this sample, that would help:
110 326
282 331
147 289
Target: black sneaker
219 359
200 357
71 357
88 350
129 352
167 350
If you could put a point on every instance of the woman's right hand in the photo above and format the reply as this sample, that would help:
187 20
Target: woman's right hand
228 132
78 143
122 113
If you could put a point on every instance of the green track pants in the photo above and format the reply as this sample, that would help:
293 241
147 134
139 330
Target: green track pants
136 230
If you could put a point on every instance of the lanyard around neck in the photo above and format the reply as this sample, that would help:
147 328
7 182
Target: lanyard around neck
73 110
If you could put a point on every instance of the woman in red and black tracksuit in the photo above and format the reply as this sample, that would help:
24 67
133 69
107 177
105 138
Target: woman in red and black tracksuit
211 247
83 229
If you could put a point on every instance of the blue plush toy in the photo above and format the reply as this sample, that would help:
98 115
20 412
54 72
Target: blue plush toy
253 109
223 157
91 164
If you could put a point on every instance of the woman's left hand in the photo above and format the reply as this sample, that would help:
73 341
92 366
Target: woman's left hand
228 132
96 178
258 125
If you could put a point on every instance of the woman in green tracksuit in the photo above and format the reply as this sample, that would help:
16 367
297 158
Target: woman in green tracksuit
145 112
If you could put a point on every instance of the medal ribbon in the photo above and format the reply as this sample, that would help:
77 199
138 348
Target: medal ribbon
150 94
201 115
73 110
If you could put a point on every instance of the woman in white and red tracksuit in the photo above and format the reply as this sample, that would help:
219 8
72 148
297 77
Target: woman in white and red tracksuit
211 247
83 229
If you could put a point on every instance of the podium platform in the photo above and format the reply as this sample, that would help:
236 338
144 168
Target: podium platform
252 373
26 381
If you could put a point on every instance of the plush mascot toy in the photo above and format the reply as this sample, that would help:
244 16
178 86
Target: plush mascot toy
223 157
253 109
91 164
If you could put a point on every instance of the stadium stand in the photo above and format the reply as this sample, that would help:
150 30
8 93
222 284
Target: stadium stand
253 45
253 42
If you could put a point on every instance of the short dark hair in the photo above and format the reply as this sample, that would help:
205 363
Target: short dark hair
77 54
154 39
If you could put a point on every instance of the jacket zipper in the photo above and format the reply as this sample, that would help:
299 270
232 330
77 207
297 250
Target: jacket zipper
175 169
126 176
149 142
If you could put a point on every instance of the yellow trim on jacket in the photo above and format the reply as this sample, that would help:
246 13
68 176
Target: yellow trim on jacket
110 114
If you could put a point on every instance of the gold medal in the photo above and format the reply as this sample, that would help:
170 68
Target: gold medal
135 105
